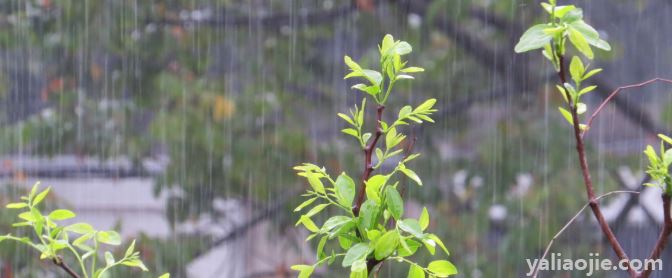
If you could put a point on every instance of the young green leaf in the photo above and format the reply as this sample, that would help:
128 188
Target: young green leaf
41 196
130 249
394 202
576 69
109 258
533 38
572 16
359 269
387 43
61 214
423 221
587 90
320 247
305 204
591 73
346 118
665 138
345 190
356 252
579 41
308 223
373 76
416 271
33 190
135 263
80 228
405 111
351 64
566 115
412 175
557 11
589 33
407 247
316 209
304 270
412 227
16 205
368 214
335 222
412 70
316 184
442 268
108 237
386 244
376 182
438 241
351 131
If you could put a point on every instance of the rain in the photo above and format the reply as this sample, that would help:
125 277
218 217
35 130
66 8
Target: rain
178 124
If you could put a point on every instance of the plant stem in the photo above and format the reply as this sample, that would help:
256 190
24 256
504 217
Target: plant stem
94 257
587 180
368 166
550 243
664 236
618 90
79 260
60 263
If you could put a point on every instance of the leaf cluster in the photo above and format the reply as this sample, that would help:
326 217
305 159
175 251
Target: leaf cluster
379 231
80 240
392 69
565 23
659 165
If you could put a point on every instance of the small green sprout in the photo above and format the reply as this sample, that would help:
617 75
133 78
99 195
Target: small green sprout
565 23
659 165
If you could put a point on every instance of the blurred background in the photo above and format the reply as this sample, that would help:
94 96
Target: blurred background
178 122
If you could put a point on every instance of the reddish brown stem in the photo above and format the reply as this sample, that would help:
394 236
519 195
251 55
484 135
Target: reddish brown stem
368 168
368 165
662 239
666 232
587 180
618 90
60 263
667 226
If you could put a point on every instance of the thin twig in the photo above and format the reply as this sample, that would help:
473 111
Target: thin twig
60 263
615 92
667 226
662 239
548 247
632 201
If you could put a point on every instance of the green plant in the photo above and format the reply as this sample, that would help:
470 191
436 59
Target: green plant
565 23
372 228
53 240
659 166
